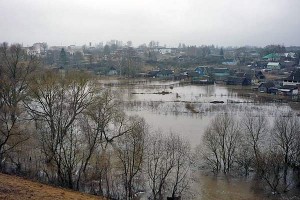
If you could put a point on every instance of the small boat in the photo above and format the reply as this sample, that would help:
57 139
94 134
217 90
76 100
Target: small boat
217 102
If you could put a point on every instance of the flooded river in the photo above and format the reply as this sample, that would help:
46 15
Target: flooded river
187 110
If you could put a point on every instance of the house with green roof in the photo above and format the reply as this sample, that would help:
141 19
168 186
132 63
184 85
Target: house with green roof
272 57
221 74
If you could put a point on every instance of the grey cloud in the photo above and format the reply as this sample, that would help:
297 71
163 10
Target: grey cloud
221 22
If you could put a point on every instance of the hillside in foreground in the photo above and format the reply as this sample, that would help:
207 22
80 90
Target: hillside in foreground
14 188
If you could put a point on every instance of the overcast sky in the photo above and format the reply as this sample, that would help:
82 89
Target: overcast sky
219 22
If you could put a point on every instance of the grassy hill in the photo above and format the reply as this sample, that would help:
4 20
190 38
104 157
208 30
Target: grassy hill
14 188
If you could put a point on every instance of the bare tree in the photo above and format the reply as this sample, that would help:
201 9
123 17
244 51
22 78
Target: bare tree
255 128
160 162
16 68
130 153
244 157
103 123
180 178
56 102
107 174
285 135
210 150
272 164
221 141
168 166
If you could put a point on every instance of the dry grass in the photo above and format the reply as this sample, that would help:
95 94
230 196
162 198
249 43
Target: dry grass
14 188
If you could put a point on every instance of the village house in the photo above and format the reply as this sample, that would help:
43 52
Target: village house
37 49
200 76
288 90
293 79
286 60
230 62
202 70
258 77
235 80
221 74
267 87
288 64
272 57
152 74
274 66
240 78
165 73
165 51
192 74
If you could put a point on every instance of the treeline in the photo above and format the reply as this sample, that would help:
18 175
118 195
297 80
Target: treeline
254 144
67 130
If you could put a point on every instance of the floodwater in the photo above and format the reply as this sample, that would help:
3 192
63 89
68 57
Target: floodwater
221 188
166 106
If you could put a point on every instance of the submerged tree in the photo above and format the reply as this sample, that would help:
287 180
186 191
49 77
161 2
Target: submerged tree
271 165
255 128
104 125
285 135
168 166
221 141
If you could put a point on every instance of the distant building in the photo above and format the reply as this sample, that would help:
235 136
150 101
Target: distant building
235 80
288 90
293 79
37 49
289 56
240 78
288 64
274 66
152 74
230 62
280 57
192 74
165 51
165 73
272 57
266 87
202 70
258 77
221 74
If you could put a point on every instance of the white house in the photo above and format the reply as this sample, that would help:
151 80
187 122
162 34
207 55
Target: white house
274 66
165 51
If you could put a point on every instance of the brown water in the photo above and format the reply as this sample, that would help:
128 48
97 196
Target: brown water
168 113
225 189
